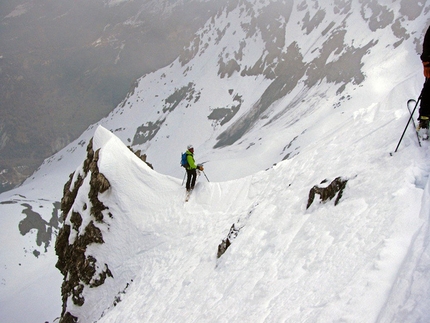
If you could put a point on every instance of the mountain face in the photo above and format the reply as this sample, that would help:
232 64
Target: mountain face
86 219
102 238
261 83
64 66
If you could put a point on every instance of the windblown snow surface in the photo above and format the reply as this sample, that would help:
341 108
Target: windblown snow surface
363 260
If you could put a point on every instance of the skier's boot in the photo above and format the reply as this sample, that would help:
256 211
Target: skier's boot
423 127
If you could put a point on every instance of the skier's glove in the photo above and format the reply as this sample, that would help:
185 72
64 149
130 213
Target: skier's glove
200 167
426 66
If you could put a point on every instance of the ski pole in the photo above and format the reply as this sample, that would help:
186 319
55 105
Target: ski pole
205 175
410 118
183 181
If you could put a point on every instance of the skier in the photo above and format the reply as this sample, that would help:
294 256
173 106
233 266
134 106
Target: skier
425 94
191 168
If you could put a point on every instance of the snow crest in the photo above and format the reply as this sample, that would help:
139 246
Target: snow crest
285 262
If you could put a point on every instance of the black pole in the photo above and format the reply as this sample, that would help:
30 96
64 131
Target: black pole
206 176
183 181
411 116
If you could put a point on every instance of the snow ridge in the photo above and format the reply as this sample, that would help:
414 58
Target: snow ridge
286 263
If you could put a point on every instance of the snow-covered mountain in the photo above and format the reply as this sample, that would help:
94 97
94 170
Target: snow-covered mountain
64 65
276 96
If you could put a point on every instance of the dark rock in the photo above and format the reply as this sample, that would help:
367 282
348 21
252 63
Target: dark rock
326 193
62 250
69 318
70 196
102 277
223 246
90 156
141 156
80 270
76 219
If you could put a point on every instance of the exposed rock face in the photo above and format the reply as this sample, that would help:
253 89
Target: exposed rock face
141 156
88 252
335 188
79 269
234 231
232 234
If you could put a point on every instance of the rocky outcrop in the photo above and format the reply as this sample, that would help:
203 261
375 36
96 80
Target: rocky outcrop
141 156
232 234
328 192
81 270
234 231
89 254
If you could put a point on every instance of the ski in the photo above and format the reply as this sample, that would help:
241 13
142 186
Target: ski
414 102
187 195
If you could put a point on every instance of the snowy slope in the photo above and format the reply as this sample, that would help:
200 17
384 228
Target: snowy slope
287 264
340 112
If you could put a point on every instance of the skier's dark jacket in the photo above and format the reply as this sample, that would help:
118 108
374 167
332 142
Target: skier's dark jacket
425 56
